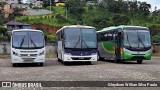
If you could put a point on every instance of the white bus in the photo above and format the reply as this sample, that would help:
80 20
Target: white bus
27 46
77 43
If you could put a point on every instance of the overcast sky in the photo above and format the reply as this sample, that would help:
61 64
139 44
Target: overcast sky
152 2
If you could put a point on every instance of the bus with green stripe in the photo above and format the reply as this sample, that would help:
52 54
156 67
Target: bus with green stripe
124 43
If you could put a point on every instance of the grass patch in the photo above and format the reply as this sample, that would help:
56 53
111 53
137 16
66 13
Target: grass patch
51 55
5 56
156 54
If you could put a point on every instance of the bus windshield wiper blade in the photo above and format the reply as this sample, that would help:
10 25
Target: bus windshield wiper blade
128 40
32 42
85 43
140 40
22 41
77 42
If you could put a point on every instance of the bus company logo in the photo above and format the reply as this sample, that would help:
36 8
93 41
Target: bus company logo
6 84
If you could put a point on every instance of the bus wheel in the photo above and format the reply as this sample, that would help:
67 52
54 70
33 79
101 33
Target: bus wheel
65 63
40 64
59 60
139 61
88 63
116 60
101 59
14 64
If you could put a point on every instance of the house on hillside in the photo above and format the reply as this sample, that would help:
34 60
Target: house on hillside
14 5
12 25
10 1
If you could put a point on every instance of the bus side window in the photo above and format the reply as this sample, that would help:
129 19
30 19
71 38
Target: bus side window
110 37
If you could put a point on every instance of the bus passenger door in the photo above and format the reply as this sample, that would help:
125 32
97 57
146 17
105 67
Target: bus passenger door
118 49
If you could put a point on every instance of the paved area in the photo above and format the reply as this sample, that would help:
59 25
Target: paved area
98 71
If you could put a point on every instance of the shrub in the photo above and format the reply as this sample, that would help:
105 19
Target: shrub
51 38
3 38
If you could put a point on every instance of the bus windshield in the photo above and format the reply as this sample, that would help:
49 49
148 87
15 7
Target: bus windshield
80 38
27 39
137 38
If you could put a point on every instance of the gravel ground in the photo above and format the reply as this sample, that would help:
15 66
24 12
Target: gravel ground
98 71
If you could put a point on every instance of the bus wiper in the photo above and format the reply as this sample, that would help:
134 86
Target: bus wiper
85 43
128 40
140 40
22 41
32 42
77 42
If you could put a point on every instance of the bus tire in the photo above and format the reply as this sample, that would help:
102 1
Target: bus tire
59 60
116 60
40 64
101 59
65 63
139 61
88 63
14 64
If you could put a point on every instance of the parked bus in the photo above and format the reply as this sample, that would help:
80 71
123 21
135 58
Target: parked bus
124 43
27 46
77 43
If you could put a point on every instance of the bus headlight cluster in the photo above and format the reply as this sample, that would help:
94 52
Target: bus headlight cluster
127 51
68 53
15 53
42 53
94 53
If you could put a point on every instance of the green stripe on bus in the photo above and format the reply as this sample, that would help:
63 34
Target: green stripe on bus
106 47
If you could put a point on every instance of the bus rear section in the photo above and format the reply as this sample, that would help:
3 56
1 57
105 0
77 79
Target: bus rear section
77 44
27 46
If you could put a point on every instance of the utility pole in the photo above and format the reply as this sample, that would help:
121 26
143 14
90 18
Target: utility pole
50 6
66 13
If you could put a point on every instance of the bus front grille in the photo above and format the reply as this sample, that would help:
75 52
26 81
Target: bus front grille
28 51
81 58
138 57
28 55
28 59
24 54
33 54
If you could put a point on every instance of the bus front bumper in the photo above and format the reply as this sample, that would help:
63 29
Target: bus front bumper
18 59
131 57
72 58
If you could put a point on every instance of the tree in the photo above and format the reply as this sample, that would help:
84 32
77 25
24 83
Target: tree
47 3
75 8
120 20
17 11
20 1
144 8
3 30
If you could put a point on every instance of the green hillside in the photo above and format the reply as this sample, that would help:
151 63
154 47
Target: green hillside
100 15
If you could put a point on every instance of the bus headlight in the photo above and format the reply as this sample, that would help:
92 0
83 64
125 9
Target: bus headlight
127 51
94 53
42 53
14 53
68 53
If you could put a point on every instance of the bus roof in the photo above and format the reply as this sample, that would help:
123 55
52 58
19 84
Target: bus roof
26 30
121 26
125 26
75 26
